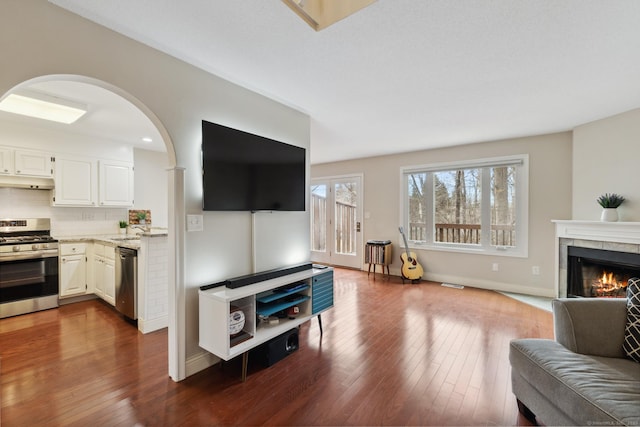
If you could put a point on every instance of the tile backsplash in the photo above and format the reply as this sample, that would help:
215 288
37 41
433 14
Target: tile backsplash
65 221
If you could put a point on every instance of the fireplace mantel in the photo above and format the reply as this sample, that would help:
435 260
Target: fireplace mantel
617 236
620 232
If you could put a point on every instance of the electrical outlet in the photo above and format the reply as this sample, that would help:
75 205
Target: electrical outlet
535 270
195 223
495 266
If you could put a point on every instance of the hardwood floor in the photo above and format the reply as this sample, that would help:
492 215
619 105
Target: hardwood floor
391 354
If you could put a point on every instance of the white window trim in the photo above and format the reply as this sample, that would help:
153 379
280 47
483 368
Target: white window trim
522 207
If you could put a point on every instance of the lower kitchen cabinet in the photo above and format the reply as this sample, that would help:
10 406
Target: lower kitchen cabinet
104 272
73 269
97 274
87 268
110 281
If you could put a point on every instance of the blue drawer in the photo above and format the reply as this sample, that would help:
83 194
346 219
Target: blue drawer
322 292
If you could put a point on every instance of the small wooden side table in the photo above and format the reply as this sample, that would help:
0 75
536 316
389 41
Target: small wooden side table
378 252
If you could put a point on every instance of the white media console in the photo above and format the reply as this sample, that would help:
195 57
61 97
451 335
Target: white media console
310 290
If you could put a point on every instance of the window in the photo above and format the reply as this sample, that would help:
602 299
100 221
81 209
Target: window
473 206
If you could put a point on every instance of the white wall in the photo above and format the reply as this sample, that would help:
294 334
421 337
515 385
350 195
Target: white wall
151 185
65 221
605 160
549 198
38 39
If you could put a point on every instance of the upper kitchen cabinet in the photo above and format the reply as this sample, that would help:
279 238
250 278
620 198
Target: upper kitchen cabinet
83 181
116 183
6 161
76 181
25 163
33 163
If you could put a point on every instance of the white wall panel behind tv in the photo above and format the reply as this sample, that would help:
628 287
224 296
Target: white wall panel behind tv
281 239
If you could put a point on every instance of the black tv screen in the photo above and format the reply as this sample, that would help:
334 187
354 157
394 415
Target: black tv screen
246 172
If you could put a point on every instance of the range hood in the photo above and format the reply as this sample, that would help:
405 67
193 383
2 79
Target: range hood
32 183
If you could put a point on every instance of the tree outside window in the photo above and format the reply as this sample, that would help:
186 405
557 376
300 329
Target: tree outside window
476 207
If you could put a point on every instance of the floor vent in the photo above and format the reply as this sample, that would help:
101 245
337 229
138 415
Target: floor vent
451 285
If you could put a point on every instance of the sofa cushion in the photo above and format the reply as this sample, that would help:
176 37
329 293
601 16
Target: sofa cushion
632 331
588 389
592 326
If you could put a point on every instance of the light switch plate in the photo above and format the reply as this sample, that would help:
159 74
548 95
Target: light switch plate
195 223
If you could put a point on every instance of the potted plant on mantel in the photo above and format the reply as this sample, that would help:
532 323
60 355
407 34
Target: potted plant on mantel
610 203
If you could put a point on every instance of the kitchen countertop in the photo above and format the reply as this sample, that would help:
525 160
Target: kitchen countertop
131 241
125 241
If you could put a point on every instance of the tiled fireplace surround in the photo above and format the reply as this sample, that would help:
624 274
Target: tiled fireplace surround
613 236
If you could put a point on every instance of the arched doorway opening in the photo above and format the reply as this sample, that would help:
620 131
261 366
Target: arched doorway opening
74 86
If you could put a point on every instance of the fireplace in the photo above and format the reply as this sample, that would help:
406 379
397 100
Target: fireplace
600 247
598 273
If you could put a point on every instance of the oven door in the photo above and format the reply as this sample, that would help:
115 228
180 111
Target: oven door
22 280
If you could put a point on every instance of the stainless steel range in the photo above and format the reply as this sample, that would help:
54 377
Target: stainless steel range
28 266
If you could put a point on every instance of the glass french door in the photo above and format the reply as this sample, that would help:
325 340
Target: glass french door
336 221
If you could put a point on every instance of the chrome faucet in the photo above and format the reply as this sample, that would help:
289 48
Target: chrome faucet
144 228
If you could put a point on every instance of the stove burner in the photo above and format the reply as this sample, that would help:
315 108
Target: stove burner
25 231
26 239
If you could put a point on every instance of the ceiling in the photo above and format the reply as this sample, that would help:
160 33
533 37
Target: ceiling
405 75
109 116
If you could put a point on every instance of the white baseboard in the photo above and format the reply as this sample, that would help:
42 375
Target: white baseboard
146 326
491 285
200 362
484 284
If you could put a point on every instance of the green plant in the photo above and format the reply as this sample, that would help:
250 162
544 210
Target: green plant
612 200
141 215
123 224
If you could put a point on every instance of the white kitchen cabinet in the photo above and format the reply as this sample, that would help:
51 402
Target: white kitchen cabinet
86 181
109 279
25 163
33 163
75 181
6 161
73 275
116 183
104 272
97 274
72 269
97 269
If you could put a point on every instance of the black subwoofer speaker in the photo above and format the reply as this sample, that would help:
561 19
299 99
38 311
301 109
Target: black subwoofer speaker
277 348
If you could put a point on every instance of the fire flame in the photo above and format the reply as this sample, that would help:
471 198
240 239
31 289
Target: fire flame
608 284
607 279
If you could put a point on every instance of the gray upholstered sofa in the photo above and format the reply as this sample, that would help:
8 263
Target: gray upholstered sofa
583 377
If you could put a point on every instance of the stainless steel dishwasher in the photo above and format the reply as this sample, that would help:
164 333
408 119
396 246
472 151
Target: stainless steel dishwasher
127 282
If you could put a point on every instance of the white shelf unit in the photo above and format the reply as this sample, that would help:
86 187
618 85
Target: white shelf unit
215 305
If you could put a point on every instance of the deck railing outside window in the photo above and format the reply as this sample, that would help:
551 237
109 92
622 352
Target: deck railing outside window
501 235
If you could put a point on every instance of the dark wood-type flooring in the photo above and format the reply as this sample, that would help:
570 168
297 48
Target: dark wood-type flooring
391 354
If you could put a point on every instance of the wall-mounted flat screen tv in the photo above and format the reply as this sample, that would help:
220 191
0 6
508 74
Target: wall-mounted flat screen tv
246 172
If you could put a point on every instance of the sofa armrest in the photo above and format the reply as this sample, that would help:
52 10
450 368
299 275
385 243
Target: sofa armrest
593 326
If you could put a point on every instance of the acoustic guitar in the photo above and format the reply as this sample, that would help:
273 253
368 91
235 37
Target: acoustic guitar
411 269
